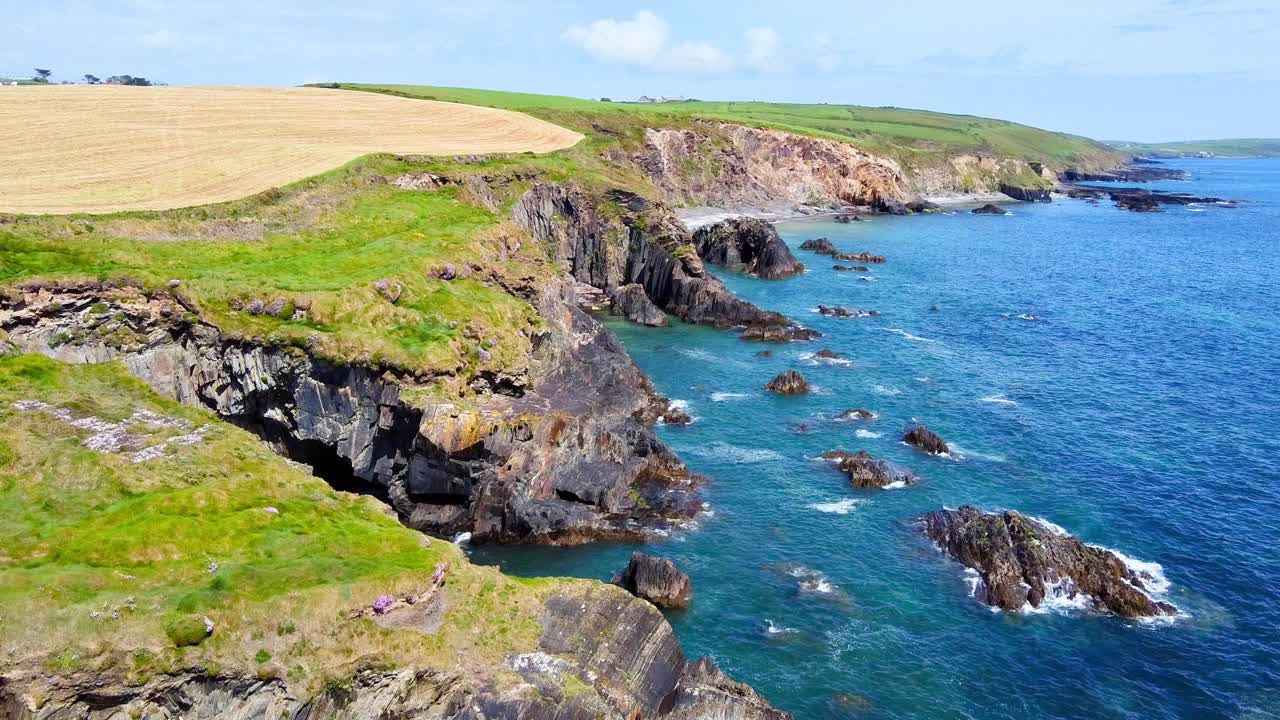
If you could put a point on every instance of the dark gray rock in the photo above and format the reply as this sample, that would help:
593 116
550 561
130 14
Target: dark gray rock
655 579
1025 194
856 414
990 209
867 471
747 245
631 302
788 383
1020 561
841 311
925 439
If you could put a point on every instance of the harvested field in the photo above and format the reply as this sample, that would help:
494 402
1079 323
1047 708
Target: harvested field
70 149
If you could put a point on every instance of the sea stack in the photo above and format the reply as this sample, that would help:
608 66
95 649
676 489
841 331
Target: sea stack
655 579
923 438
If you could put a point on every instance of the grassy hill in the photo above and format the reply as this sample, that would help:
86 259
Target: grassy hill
1232 147
111 563
897 132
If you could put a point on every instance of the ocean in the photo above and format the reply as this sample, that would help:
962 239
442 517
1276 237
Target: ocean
1115 373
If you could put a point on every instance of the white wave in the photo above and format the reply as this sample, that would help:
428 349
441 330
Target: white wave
813 359
1056 528
962 453
839 507
1152 573
1193 209
681 405
723 396
732 453
896 485
462 538
1060 597
866 278
775 630
998 400
885 390
818 585
867 434
700 354
973 580
908 336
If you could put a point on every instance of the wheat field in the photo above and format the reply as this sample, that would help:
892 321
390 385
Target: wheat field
96 149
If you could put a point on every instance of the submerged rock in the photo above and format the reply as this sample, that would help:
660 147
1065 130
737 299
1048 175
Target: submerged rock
1022 562
788 383
856 414
925 439
827 354
844 312
990 209
631 302
867 471
676 416
747 245
655 579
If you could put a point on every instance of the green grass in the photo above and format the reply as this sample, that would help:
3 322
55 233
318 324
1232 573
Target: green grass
1235 147
322 244
85 532
908 135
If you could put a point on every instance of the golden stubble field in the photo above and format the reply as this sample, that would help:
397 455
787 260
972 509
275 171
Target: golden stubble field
78 148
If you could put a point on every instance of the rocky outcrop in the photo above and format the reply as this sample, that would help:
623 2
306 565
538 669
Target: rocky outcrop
747 245
828 354
639 672
856 414
1026 194
1132 173
560 452
925 439
631 302
733 166
655 579
1022 562
788 383
841 311
638 242
990 209
867 471
823 246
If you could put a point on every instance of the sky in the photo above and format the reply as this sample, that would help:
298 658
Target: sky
1153 70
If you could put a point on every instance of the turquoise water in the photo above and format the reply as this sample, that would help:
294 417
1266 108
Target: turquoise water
1140 411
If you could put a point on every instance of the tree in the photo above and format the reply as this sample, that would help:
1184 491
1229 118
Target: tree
127 80
91 79
42 75
605 100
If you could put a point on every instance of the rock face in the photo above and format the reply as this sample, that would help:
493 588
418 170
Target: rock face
923 438
630 302
734 166
655 579
643 243
562 452
1021 561
867 471
990 209
1026 194
788 383
640 672
747 245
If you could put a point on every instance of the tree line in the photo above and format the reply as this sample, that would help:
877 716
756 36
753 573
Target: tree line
43 74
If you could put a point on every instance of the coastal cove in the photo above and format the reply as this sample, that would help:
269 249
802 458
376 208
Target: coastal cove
1111 372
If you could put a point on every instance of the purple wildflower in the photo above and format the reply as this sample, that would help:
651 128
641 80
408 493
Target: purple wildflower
383 603
208 625
485 355
438 575
271 510
213 567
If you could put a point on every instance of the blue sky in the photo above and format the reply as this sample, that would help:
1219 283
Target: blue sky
1110 69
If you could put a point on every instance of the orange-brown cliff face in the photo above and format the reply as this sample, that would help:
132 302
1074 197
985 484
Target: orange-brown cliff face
731 165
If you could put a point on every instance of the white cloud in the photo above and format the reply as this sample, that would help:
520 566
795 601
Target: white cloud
642 41
827 57
638 41
762 49
697 57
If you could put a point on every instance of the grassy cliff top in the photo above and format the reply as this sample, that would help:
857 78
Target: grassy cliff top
341 264
1233 147
112 558
898 132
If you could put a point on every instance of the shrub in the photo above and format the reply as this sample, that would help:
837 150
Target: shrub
186 630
